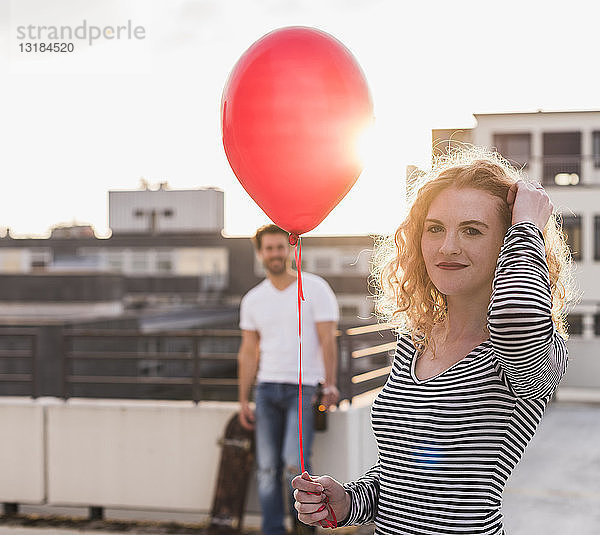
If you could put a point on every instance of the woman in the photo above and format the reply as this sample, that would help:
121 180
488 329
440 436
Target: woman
477 282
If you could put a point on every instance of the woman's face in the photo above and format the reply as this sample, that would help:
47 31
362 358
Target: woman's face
462 235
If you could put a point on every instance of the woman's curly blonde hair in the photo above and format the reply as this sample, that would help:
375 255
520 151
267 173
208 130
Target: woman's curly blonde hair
405 295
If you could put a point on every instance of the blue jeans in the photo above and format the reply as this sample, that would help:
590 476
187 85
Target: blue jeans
277 447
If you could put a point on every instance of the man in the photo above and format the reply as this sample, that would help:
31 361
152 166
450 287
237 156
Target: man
269 353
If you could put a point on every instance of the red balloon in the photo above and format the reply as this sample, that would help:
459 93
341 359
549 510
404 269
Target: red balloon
292 111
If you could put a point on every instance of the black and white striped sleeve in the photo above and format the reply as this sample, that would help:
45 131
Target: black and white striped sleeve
530 351
364 495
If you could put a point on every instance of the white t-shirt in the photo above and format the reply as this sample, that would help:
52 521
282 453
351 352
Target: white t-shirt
273 314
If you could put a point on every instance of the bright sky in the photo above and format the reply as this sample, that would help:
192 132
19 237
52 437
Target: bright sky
74 125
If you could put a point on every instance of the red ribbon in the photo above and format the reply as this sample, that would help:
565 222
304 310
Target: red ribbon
296 241
298 258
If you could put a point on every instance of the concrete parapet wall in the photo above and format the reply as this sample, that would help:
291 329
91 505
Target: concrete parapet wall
142 454
584 364
134 454
22 451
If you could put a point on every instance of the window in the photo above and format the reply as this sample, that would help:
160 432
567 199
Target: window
596 148
597 237
597 324
349 262
164 264
562 158
216 279
40 260
572 230
349 312
322 263
115 261
514 147
38 265
575 322
139 262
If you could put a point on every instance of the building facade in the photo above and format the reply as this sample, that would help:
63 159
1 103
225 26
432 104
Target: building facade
163 210
167 249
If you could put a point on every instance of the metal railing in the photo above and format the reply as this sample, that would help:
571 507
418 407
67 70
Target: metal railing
182 365
365 358
193 365
198 365
18 362
178 365
557 165
566 165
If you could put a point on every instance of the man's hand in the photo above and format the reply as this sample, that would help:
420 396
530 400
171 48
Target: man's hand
247 365
326 330
529 202
246 416
330 395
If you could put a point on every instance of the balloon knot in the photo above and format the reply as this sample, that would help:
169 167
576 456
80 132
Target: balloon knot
293 239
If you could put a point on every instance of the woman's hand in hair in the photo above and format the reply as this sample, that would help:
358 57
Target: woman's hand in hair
529 202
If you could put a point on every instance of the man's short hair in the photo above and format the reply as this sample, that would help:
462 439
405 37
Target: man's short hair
266 229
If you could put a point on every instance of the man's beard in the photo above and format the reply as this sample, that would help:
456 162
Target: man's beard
275 267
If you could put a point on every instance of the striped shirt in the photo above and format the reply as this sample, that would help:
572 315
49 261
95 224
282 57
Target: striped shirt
448 444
